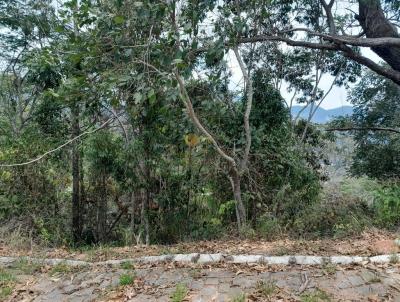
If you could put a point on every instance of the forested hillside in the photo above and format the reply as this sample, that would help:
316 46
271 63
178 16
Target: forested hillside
321 115
121 122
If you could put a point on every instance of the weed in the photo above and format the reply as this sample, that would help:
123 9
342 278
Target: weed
195 273
179 293
128 265
27 266
266 288
268 227
126 279
5 291
240 298
100 252
60 268
6 277
394 258
374 279
329 268
247 231
315 296
6 283
165 251
281 251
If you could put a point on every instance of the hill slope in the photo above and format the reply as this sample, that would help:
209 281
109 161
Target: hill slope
323 115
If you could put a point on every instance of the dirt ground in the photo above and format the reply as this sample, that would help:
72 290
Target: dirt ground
26 281
369 243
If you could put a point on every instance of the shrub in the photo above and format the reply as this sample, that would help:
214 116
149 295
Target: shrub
268 227
387 205
337 214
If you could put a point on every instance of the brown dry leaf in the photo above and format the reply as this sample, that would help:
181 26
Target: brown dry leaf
239 272
373 298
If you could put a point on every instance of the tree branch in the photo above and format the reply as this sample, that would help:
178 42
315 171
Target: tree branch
351 40
364 129
249 101
59 147
196 121
329 15
347 51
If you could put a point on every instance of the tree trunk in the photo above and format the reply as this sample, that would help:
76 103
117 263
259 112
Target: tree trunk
145 214
237 195
102 209
133 203
82 197
76 204
375 25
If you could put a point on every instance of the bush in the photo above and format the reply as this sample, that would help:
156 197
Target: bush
337 214
268 227
387 205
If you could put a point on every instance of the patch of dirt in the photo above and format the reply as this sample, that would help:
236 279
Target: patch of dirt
364 245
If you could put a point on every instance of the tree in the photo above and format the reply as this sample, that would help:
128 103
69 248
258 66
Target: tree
376 107
320 28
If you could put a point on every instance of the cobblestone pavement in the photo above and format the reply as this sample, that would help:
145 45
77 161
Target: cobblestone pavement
215 283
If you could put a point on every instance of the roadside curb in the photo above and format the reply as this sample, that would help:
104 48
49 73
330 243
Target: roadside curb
217 258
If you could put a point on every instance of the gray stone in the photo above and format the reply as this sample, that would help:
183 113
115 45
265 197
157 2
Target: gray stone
209 258
247 258
381 259
277 259
356 280
209 291
211 281
186 257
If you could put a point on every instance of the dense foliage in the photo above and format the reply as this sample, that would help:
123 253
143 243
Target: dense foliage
377 104
120 120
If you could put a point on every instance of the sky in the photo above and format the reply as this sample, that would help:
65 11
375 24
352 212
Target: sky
336 98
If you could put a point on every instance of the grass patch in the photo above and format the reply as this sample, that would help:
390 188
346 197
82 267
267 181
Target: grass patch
128 265
98 252
195 273
126 279
7 281
374 279
329 269
239 298
179 293
315 296
27 266
5 291
60 268
394 258
266 288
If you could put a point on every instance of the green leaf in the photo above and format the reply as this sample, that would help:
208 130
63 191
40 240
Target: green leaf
119 20
152 96
138 97
177 61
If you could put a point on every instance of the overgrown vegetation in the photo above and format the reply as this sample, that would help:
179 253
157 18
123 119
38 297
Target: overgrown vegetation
117 128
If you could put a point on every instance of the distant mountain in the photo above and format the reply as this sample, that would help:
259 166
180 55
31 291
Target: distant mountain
322 115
